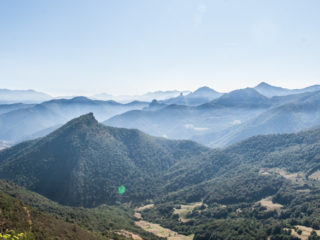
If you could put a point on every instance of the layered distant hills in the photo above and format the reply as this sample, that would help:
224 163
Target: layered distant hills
159 95
21 121
271 91
230 118
22 96
205 115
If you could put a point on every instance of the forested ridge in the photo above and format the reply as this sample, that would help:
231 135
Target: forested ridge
265 186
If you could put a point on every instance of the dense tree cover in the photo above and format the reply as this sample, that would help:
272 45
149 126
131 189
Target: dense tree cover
245 219
84 163
103 220
234 179
34 224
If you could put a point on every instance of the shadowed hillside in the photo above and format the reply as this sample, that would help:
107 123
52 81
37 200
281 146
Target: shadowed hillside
84 163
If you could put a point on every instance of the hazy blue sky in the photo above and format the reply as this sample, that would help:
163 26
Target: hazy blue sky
135 46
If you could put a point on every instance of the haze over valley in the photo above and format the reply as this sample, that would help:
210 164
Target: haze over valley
160 120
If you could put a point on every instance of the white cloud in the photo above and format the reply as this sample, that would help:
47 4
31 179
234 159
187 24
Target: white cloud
192 127
236 122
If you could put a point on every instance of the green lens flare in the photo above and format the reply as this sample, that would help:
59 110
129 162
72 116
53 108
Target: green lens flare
121 189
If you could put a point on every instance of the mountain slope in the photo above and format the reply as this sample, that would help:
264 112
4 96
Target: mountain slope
297 152
271 91
84 163
250 190
37 225
104 220
242 98
18 124
302 112
4 108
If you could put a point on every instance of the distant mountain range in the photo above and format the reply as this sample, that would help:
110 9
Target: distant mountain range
242 98
148 97
22 96
198 97
28 121
187 122
271 91
230 118
4 108
205 115
295 114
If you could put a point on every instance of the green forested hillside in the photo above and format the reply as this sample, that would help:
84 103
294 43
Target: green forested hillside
263 187
237 185
102 222
84 163
36 225
247 171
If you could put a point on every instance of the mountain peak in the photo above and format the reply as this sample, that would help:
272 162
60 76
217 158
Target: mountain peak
270 90
84 120
247 97
263 84
205 89
81 99
89 117
83 162
245 92
154 102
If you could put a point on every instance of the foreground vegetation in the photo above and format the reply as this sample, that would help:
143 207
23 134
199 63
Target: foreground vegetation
103 222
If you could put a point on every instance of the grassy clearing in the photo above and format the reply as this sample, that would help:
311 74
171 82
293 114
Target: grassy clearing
305 232
137 215
315 175
141 209
129 235
269 205
159 231
298 177
185 209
